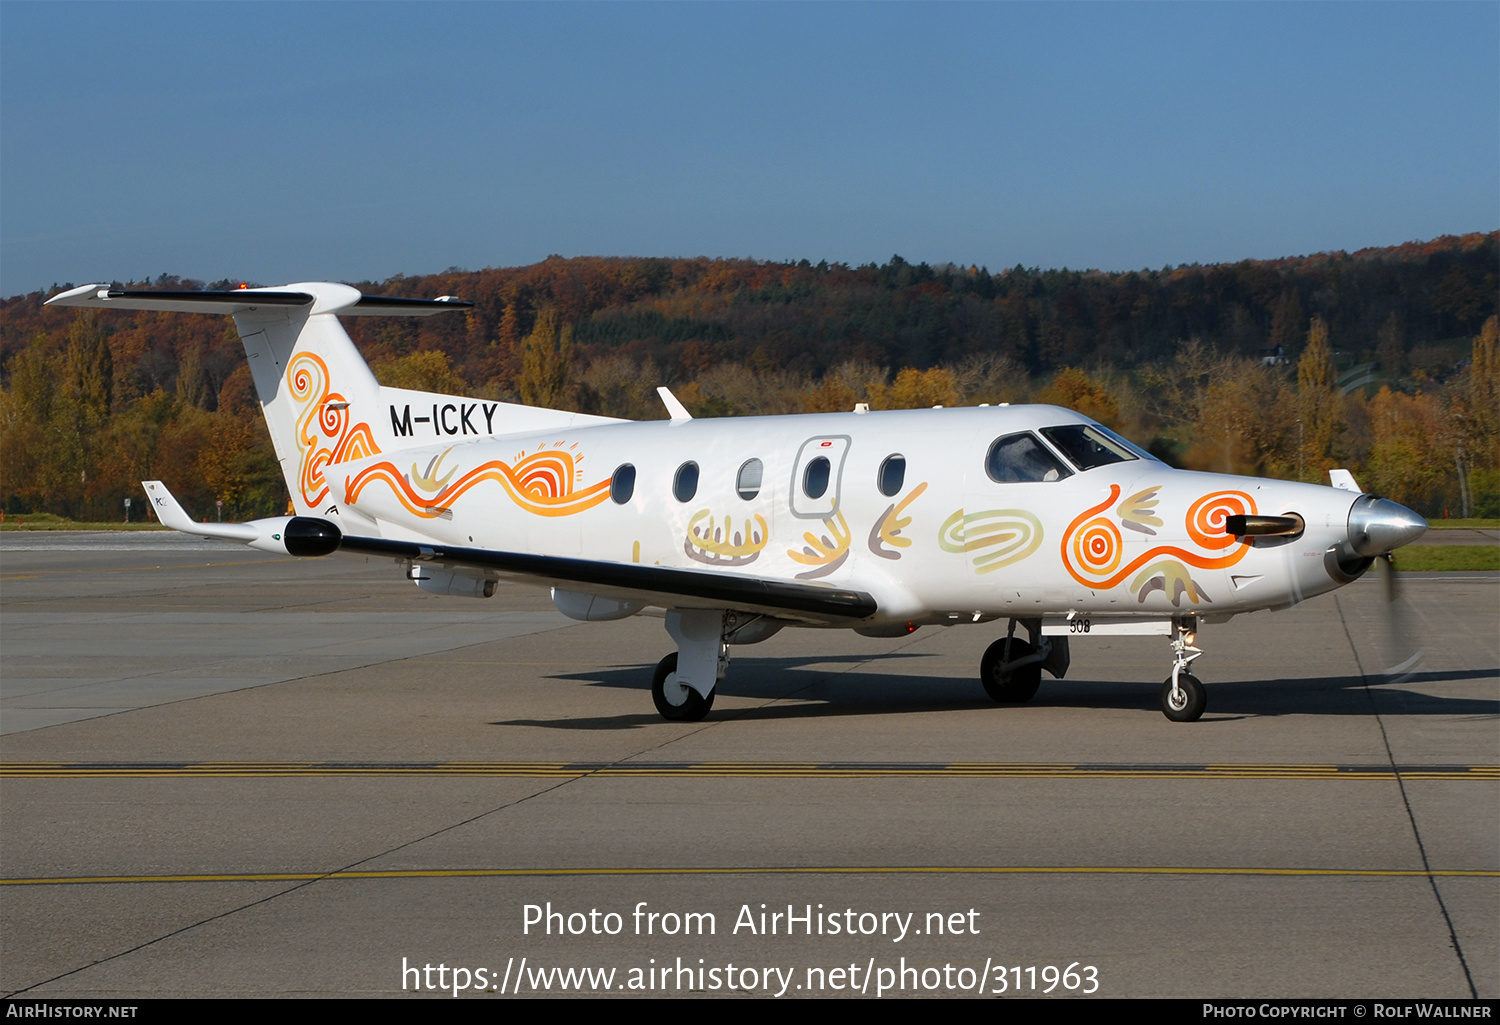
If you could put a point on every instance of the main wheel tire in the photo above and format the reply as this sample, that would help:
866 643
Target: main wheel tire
1192 702
675 701
1017 686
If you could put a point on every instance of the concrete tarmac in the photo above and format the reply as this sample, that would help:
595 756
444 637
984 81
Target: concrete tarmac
226 774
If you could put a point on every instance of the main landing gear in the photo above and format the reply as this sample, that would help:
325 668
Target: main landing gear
1011 669
1183 698
683 685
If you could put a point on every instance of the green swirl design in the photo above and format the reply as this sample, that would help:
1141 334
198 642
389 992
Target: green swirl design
1003 536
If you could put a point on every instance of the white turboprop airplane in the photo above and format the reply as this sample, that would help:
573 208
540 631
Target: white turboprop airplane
877 521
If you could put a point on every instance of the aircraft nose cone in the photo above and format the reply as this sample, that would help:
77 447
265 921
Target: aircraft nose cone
1378 526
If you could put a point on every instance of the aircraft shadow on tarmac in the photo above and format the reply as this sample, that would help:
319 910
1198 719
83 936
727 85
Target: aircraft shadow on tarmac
815 694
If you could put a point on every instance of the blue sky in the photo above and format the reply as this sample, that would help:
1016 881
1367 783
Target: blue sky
278 142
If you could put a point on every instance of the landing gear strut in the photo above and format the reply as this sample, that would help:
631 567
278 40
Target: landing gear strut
1183 698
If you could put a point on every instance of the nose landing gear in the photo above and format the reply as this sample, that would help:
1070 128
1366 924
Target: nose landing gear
1183 698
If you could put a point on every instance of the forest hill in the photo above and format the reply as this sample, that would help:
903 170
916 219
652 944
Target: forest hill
1381 360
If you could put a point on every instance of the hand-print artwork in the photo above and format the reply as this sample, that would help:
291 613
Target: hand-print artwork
1137 511
1171 578
826 553
888 527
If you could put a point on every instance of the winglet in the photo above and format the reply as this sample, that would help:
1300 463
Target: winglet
171 514
674 406
1343 480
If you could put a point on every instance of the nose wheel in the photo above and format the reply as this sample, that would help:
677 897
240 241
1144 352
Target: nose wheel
1184 702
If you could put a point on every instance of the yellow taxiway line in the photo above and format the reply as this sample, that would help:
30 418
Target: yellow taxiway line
849 870
740 770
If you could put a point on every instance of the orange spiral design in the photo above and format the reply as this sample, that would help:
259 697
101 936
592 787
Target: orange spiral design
333 421
1092 546
1097 547
302 377
540 484
324 434
545 474
1205 518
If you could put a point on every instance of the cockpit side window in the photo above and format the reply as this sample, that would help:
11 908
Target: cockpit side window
1087 446
1022 459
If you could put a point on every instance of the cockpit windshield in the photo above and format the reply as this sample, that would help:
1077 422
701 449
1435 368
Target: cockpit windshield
1088 445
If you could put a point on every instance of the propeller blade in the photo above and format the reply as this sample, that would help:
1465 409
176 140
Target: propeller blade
1403 654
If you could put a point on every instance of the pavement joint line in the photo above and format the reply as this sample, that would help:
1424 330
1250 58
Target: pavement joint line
136 569
854 870
1416 832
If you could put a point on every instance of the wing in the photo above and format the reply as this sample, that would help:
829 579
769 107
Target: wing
659 585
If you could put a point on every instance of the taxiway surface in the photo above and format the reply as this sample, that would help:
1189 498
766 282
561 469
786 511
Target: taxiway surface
228 774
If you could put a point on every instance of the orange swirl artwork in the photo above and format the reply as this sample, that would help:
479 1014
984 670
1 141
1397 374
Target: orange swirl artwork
542 483
1093 549
324 434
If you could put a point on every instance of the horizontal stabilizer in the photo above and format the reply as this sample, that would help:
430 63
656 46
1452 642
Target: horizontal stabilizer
167 509
334 299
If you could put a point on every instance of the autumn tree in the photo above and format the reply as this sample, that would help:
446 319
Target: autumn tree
1288 323
1475 412
1245 421
546 361
1406 462
1390 346
1317 402
915 389
1078 391
420 371
619 386
29 470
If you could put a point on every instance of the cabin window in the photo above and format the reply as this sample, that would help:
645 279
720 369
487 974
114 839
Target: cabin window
815 478
892 475
748 482
622 484
685 484
1087 446
1022 459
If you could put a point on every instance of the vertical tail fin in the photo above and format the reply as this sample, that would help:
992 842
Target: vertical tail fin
316 391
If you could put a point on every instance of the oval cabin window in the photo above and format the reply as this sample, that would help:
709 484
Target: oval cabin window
685 484
815 478
622 484
748 482
892 475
